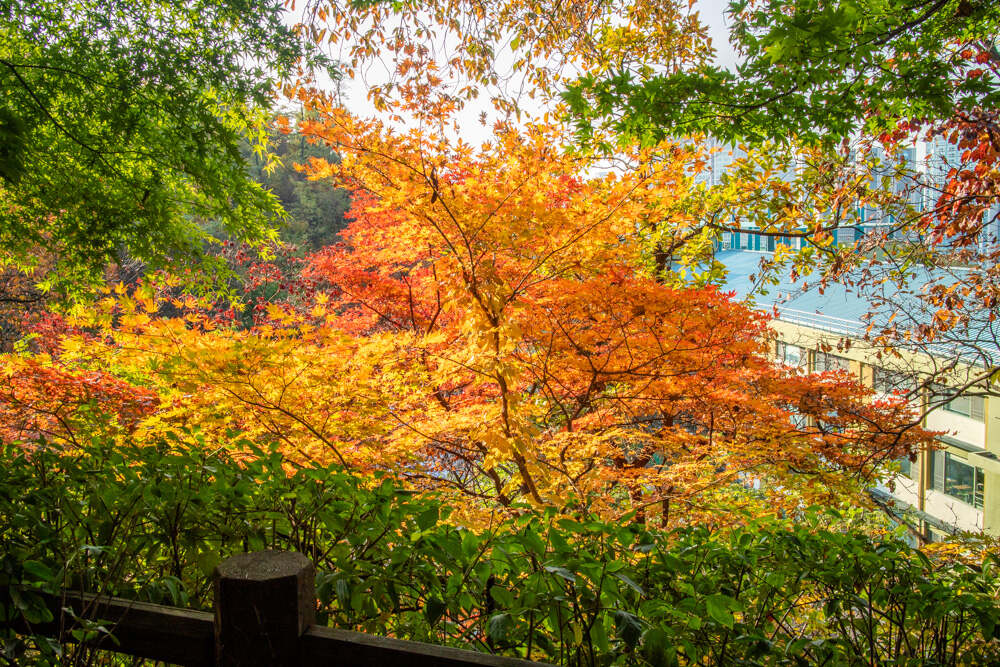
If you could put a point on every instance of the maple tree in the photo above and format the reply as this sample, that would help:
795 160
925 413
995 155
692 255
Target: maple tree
121 127
50 404
813 74
441 55
864 81
601 376
494 326
811 70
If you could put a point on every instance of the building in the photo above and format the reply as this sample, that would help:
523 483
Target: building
955 488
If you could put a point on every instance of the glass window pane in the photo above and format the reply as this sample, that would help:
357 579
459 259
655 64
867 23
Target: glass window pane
962 481
965 405
977 408
887 381
793 355
936 460
830 362
958 405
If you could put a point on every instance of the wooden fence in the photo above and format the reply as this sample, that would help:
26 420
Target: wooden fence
265 607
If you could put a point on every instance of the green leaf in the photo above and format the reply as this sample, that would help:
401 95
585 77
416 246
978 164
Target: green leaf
533 542
502 596
988 623
38 571
629 582
427 518
599 636
629 628
343 591
656 648
718 607
498 626
562 572
434 609
207 560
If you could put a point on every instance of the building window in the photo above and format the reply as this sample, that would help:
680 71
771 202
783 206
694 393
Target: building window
791 242
830 362
886 381
792 355
905 467
846 236
968 406
956 478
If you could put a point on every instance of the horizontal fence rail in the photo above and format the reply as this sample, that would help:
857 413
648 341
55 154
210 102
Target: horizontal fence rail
153 631
265 606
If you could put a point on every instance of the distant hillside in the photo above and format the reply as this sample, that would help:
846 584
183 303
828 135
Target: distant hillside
316 210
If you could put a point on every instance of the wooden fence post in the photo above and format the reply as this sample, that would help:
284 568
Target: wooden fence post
264 602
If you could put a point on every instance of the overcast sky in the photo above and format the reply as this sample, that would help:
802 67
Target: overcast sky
713 15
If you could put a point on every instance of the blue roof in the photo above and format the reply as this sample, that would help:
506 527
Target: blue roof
840 311
835 310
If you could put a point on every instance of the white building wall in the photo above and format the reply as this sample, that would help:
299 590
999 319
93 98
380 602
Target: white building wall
907 490
960 427
955 512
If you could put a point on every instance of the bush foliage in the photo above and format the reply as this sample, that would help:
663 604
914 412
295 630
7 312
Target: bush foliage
152 522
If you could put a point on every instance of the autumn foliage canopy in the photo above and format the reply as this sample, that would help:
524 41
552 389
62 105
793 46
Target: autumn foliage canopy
517 321
511 405
493 327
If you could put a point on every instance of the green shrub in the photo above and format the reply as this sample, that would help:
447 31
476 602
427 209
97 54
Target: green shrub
152 522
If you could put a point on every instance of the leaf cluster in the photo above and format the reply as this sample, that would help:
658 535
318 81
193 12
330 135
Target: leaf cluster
813 69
